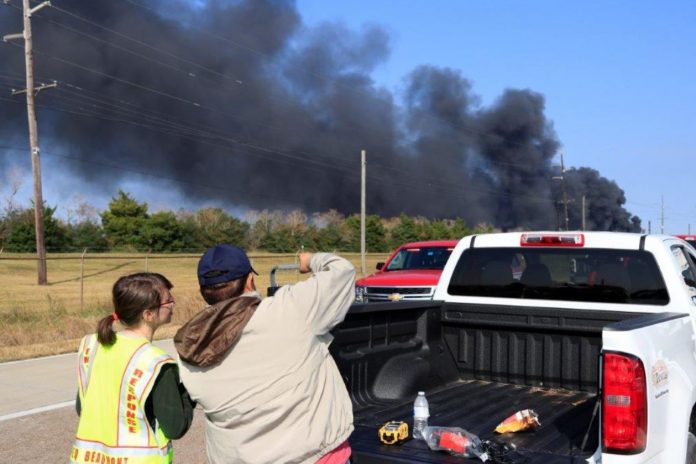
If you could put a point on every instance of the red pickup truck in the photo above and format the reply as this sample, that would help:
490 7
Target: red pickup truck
410 273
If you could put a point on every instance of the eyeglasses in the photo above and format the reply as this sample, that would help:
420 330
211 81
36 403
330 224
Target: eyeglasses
167 302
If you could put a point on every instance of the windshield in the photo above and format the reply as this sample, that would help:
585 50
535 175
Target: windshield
593 275
419 258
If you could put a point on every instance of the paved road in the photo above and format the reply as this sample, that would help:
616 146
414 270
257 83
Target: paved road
38 419
41 383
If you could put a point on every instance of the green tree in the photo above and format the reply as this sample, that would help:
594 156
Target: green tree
439 230
262 228
460 229
189 231
331 231
215 226
484 228
375 234
280 240
123 221
20 233
405 231
87 234
161 232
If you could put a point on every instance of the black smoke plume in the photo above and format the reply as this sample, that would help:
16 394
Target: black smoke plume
241 103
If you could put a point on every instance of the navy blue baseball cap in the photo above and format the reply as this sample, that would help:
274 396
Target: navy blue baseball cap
223 263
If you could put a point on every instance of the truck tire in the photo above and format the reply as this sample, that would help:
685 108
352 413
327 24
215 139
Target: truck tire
691 449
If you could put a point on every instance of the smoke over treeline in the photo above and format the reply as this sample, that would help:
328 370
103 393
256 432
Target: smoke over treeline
243 103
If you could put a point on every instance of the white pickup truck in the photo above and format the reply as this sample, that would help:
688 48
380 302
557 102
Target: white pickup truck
595 331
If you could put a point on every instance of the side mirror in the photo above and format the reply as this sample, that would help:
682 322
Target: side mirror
380 266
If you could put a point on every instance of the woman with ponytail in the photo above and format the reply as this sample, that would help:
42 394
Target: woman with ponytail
130 400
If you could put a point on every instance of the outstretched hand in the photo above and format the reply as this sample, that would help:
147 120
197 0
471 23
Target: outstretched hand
304 262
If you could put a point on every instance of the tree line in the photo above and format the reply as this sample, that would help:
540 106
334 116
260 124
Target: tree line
127 225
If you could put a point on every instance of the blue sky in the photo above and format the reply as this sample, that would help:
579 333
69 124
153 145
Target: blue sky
619 78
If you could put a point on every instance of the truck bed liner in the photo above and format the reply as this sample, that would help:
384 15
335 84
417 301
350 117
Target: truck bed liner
478 406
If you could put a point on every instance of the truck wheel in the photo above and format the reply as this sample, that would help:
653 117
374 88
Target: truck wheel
691 449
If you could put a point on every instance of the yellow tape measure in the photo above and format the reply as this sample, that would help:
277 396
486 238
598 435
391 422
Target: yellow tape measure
393 432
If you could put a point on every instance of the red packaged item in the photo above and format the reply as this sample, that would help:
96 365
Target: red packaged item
455 441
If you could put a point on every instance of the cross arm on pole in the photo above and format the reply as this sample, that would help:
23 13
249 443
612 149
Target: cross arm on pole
38 7
8 37
36 89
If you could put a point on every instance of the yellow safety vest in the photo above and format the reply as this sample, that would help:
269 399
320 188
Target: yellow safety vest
114 383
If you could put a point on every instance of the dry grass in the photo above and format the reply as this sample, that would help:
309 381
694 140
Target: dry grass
45 320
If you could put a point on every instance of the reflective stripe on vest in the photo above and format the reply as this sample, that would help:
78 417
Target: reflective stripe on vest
115 383
87 347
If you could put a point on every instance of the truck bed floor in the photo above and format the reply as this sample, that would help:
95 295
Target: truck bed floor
478 406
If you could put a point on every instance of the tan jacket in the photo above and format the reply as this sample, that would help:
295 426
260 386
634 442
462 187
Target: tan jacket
277 397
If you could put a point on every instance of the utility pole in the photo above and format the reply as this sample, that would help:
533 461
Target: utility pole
583 212
363 169
565 195
33 134
662 214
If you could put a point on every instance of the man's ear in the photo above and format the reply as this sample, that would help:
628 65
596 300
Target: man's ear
249 284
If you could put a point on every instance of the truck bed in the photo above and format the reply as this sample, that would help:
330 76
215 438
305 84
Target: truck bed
478 365
478 406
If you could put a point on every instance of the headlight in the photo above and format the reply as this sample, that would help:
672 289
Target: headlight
360 294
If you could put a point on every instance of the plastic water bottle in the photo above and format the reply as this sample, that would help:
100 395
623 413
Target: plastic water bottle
421 412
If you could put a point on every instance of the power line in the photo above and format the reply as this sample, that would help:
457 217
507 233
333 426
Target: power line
236 44
118 79
197 186
256 146
247 144
419 187
144 44
418 181
488 162
191 132
124 49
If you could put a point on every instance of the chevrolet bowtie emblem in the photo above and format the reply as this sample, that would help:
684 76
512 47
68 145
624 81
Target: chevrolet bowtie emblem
394 297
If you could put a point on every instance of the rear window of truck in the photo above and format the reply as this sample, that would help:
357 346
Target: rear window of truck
567 274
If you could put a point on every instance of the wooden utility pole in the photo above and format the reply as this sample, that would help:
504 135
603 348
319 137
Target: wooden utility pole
363 169
30 90
583 213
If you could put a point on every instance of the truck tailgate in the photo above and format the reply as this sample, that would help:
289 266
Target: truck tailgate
478 406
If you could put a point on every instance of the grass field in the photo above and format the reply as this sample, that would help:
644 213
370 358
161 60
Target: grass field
43 320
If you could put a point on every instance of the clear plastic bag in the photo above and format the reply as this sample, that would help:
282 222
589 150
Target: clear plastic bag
456 441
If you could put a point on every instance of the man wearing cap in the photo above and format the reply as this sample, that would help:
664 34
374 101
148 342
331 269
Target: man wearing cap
261 369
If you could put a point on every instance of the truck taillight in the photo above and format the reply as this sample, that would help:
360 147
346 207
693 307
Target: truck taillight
552 240
624 404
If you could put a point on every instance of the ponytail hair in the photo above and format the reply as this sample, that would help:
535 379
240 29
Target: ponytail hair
132 294
105 331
